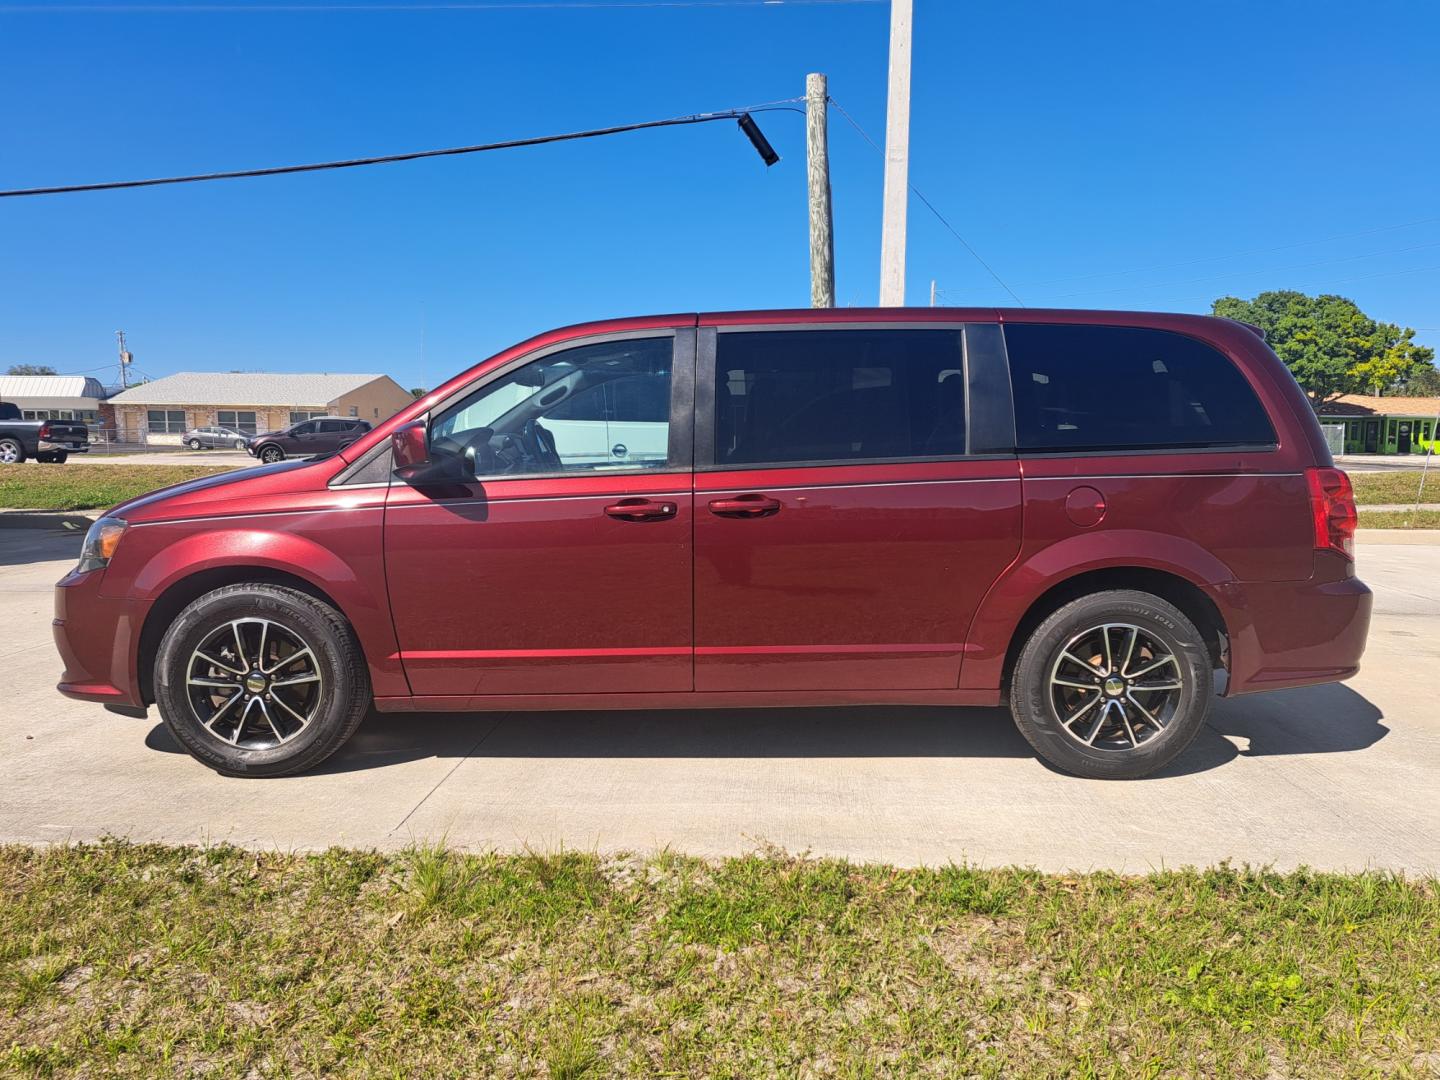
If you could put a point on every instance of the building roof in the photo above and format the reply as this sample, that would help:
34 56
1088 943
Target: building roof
1364 405
49 386
242 388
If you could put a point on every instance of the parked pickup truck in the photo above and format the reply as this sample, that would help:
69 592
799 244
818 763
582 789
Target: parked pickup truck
50 441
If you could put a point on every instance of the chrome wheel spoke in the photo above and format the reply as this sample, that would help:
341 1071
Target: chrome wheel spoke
1081 711
274 660
1067 655
1157 665
1101 707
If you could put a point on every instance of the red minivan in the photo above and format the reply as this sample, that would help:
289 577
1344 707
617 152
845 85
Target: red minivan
1102 518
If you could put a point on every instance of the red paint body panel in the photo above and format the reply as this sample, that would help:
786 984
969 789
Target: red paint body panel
529 587
867 577
867 583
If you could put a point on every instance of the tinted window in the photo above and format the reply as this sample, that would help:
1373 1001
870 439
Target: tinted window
599 406
1119 388
838 395
303 429
331 426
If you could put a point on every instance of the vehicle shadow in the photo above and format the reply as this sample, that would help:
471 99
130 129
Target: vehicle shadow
22 547
1323 719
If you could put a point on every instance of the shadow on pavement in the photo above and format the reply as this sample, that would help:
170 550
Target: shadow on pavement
1315 720
21 547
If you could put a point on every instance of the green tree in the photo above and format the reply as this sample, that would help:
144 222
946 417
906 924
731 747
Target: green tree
1329 344
31 369
418 391
1424 381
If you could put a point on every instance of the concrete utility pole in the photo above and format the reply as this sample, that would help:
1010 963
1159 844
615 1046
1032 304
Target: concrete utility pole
817 159
932 292
897 159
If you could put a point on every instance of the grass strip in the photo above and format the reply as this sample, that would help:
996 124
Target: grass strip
119 959
77 486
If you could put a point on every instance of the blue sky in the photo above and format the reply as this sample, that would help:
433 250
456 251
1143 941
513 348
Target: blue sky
1146 155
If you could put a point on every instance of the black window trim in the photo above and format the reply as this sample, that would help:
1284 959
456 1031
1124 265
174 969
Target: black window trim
680 449
987 393
1143 451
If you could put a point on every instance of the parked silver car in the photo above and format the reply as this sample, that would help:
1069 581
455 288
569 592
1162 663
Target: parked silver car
214 438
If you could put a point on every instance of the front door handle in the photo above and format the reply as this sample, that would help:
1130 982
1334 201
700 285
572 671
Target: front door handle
640 510
745 506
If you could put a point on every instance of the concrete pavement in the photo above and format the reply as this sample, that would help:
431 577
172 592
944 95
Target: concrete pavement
1341 777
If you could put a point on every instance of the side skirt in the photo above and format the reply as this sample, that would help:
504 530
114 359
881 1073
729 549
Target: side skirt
712 699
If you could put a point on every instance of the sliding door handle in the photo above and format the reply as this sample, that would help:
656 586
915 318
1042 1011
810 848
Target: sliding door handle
640 510
745 506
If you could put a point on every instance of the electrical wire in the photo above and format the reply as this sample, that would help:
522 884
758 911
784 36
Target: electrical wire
931 207
783 105
419 6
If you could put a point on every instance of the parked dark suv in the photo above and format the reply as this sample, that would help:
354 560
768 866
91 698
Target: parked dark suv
322 435
1100 518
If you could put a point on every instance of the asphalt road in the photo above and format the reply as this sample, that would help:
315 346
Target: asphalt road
1340 777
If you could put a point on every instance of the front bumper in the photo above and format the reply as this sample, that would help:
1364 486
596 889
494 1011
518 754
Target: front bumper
98 639
1293 633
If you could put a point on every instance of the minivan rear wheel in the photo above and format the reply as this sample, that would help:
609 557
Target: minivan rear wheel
1114 685
260 680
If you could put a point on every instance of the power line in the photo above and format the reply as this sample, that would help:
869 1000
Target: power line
1234 254
386 159
418 6
931 207
1248 273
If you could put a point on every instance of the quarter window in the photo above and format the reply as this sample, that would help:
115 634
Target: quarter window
838 395
1083 388
597 407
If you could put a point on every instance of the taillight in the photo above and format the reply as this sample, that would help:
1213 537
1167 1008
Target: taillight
45 430
1332 507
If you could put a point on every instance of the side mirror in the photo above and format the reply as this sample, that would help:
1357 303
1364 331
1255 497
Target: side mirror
410 449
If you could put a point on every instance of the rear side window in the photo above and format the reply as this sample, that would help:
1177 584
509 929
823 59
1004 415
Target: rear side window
838 395
1123 388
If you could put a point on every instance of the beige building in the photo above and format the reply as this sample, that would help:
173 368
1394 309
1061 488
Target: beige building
160 412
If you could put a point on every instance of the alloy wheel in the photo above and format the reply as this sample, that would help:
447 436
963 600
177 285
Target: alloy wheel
9 452
254 683
1115 687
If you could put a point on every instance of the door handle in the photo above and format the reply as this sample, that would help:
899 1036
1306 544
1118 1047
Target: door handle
745 506
640 510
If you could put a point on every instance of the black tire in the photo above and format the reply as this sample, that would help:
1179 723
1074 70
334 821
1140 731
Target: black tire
11 452
194 444
56 457
343 693
271 454
1033 698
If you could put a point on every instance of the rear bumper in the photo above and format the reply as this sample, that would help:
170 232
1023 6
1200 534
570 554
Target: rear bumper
47 446
1286 634
98 639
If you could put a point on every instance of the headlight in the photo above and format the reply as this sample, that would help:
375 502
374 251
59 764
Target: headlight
100 544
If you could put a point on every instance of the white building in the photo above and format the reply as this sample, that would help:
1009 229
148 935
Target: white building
53 397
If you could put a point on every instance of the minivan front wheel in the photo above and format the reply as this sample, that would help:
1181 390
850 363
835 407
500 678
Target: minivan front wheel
1113 685
260 680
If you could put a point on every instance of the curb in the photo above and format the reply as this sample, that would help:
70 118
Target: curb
48 519
1421 537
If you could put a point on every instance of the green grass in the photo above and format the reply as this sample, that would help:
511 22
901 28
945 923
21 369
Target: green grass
1372 488
133 960
1400 519
77 486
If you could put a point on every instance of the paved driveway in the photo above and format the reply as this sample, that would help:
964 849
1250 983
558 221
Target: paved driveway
1335 776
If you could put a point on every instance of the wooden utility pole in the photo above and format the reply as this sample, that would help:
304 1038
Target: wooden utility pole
897 159
817 157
